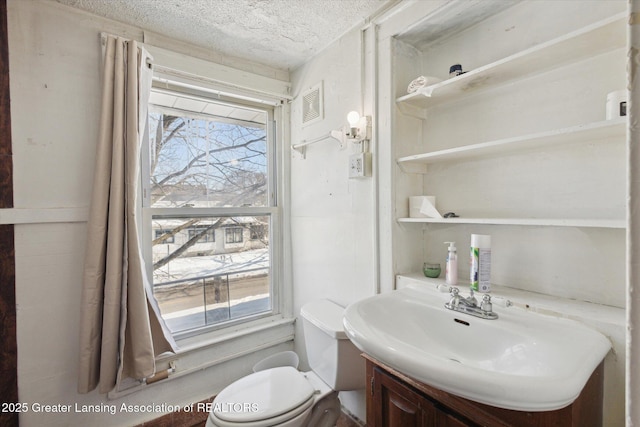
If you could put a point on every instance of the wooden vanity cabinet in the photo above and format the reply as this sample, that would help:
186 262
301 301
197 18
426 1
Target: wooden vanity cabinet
395 400
396 404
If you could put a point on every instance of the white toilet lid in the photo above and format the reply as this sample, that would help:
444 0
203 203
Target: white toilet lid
261 395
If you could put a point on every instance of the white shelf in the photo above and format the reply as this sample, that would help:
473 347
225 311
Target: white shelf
608 129
554 222
600 37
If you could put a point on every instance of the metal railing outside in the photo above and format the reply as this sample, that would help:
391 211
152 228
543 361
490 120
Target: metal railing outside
217 304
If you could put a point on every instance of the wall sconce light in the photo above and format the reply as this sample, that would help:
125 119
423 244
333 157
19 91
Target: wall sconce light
359 128
353 118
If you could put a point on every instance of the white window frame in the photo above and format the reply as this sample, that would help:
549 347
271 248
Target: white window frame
272 210
273 95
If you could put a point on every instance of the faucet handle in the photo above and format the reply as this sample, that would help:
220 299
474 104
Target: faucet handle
455 298
486 305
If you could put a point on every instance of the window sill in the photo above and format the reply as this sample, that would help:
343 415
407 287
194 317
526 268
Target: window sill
200 352
214 338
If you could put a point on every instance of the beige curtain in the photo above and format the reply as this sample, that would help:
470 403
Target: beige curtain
121 331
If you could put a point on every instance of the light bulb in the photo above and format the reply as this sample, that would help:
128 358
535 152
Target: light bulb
353 118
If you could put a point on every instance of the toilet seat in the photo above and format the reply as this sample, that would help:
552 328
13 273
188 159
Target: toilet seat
275 394
293 418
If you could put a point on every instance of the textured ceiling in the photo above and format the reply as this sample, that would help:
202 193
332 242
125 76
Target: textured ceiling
279 33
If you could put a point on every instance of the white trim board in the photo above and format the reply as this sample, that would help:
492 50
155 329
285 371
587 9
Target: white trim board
43 215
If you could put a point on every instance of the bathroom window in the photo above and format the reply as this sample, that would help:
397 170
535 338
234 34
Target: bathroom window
210 181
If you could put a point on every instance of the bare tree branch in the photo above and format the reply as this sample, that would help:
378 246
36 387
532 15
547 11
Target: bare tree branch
201 155
174 231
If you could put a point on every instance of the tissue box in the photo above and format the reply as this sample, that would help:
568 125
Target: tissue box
416 206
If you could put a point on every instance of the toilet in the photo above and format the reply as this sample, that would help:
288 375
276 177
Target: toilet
277 394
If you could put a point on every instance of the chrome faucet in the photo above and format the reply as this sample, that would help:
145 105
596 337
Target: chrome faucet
469 305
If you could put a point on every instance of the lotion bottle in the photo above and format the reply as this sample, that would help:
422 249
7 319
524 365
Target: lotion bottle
451 268
480 263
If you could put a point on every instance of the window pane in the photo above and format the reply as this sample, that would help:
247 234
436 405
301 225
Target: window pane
202 278
204 160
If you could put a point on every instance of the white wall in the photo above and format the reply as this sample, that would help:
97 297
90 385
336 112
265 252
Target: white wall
333 217
55 95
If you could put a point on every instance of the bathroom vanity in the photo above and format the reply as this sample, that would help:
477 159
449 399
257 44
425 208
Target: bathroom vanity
429 365
395 400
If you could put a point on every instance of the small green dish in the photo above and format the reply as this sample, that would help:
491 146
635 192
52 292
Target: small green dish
431 269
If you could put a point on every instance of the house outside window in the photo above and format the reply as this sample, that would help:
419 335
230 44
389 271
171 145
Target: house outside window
211 178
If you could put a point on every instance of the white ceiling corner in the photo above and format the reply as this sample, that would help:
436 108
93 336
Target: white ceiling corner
282 34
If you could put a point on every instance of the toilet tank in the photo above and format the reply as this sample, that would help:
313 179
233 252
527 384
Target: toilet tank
332 356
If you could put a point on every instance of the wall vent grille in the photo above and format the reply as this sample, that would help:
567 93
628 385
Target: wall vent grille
312 105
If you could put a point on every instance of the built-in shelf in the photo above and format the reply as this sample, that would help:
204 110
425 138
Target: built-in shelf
600 37
554 222
605 130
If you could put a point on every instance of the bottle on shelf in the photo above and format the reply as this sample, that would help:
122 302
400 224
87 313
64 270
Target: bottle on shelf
451 268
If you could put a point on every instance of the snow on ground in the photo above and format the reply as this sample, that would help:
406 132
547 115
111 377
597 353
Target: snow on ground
194 267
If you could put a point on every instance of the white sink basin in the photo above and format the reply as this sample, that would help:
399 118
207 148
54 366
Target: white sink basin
522 361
